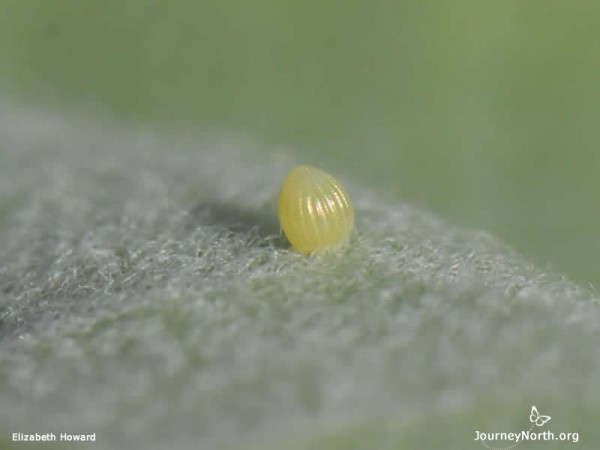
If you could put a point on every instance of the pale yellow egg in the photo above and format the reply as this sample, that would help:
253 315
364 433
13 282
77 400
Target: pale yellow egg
315 211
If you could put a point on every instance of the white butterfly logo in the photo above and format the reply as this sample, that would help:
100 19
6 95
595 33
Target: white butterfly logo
537 418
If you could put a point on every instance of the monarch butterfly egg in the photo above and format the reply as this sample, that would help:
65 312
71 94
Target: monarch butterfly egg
315 210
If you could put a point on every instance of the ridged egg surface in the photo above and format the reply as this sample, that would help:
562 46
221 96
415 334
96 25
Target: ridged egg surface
315 210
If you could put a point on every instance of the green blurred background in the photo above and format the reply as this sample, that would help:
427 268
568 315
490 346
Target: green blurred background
485 112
